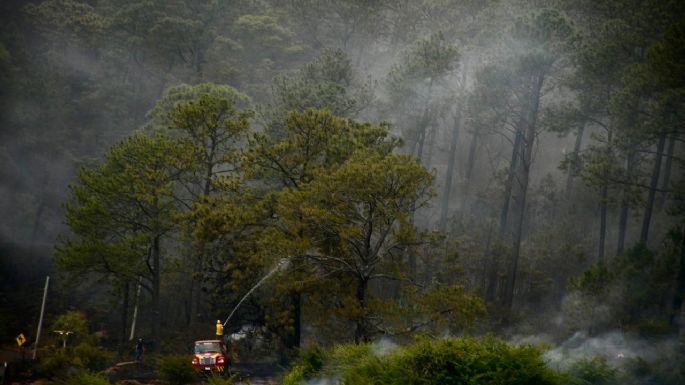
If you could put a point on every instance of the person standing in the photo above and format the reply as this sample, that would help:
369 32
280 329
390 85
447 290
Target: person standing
140 348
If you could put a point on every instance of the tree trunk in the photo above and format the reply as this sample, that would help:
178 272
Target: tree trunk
602 223
431 133
604 195
451 162
470 162
644 234
492 268
198 261
625 205
421 142
360 332
573 168
297 320
423 124
523 177
679 294
156 306
513 165
124 320
491 290
666 181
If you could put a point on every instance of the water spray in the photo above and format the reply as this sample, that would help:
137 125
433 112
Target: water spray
283 263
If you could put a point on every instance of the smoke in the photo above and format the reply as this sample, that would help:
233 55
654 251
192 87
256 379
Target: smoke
324 381
615 346
380 348
383 347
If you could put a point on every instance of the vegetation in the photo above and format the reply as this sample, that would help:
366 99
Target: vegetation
76 354
176 370
450 361
347 172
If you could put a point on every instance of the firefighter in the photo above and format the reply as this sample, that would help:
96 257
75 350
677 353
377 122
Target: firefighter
219 329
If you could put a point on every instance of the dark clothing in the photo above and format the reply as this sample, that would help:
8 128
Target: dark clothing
139 350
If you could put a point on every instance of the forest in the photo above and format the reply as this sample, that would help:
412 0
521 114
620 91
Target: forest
360 191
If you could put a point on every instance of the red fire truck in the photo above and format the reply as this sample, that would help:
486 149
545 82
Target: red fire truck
210 356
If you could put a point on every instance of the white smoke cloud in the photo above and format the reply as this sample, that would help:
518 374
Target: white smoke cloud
615 346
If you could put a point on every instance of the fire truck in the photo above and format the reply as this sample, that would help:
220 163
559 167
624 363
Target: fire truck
210 356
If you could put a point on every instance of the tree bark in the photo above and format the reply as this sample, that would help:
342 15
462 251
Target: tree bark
124 320
622 224
679 295
198 256
297 319
360 332
468 172
523 178
513 165
451 163
421 141
573 168
604 195
156 306
644 234
452 159
602 222
666 181
625 205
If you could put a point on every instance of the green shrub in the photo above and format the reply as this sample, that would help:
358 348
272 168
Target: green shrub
63 363
665 370
176 370
58 363
444 362
295 376
592 371
94 358
312 360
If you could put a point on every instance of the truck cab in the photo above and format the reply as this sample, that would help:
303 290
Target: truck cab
210 356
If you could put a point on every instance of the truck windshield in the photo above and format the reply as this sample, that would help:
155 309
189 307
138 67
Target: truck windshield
207 347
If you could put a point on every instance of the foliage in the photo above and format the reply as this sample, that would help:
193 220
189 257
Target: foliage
668 369
119 206
94 358
76 323
81 353
327 82
176 370
196 203
63 363
629 291
592 371
449 361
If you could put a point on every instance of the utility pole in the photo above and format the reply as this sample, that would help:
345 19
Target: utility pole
40 320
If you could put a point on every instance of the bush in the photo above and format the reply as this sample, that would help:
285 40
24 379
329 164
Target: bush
63 363
444 362
176 370
592 371
58 364
93 358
